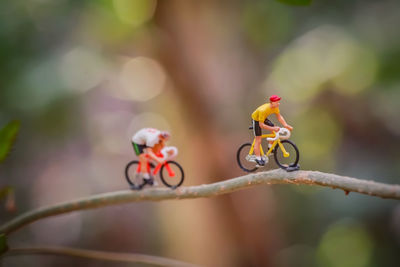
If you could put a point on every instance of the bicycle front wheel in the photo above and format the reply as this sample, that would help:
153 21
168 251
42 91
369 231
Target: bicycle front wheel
172 174
243 160
133 175
290 162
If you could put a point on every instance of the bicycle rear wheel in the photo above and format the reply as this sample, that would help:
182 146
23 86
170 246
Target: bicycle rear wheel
289 163
242 158
133 175
172 174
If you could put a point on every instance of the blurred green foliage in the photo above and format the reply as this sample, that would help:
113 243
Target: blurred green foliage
345 244
3 243
335 64
5 191
8 135
260 20
296 2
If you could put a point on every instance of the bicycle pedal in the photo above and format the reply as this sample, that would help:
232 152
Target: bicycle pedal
149 181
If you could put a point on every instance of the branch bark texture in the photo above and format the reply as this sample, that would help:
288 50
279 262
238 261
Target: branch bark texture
347 184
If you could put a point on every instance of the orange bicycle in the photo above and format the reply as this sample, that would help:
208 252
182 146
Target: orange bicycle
171 173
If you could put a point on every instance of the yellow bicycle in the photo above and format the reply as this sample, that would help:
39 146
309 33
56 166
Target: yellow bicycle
286 153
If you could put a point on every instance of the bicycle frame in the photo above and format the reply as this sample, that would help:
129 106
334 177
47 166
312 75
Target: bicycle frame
171 173
276 142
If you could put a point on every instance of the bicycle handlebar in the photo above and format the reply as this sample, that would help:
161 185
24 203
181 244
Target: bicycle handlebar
283 133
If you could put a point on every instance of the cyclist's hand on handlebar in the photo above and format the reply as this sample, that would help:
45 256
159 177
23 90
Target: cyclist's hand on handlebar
290 128
276 128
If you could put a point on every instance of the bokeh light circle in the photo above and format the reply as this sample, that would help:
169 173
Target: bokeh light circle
147 120
141 79
81 69
135 12
345 244
325 55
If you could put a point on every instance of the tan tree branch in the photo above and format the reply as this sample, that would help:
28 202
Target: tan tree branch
347 184
98 255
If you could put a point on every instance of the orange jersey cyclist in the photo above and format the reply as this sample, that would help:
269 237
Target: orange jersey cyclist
261 121
146 142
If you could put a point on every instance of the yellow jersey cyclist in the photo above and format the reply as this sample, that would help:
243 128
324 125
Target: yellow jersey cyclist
146 143
260 121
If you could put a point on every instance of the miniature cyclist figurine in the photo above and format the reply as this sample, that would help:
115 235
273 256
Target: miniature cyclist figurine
149 141
261 121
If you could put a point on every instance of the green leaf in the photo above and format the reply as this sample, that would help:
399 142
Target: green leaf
5 190
7 138
296 2
3 244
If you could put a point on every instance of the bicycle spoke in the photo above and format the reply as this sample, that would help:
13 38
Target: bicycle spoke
246 162
288 159
171 174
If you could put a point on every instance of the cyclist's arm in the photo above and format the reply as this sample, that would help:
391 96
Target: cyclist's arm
150 152
267 127
282 120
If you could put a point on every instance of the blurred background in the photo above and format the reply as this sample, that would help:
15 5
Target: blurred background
83 76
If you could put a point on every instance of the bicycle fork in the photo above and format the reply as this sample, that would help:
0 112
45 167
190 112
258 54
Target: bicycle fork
171 173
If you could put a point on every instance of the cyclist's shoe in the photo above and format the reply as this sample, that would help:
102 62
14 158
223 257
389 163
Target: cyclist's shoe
260 162
149 181
251 158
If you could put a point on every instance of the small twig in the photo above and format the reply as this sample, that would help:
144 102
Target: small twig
98 255
157 194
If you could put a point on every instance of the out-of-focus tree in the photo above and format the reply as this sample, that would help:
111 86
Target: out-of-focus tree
82 76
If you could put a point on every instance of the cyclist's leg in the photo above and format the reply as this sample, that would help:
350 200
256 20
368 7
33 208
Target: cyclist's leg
257 135
143 163
269 123
140 151
137 148
270 143
145 169
257 143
